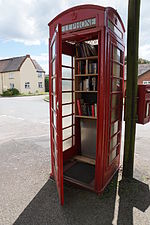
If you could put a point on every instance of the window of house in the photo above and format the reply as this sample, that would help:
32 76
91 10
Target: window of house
11 76
27 84
40 85
39 74
12 85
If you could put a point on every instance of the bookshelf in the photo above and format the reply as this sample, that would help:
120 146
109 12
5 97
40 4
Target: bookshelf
86 79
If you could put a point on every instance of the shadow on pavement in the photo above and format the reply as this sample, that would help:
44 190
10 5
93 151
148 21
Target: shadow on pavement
83 207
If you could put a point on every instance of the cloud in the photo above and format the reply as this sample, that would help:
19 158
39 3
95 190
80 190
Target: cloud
26 21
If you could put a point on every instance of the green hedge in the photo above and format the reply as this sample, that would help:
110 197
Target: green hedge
11 92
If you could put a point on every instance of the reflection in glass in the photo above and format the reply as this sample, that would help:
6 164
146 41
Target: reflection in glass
54 102
113 155
54 119
116 70
115 114
116 84
66 97
53 50
54 85
114 128
115 101
67 133
67 121
66 85
116 54
53 68
66 73
66 60
113 142
66 109
67 144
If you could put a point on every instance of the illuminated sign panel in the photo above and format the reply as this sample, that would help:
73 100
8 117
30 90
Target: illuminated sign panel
79 25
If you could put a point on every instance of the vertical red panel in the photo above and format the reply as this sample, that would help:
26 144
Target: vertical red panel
56 110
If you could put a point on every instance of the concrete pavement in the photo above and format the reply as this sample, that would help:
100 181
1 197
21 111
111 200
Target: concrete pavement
28 197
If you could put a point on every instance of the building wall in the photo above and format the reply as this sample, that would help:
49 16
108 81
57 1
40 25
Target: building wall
28 74
144 77
9 78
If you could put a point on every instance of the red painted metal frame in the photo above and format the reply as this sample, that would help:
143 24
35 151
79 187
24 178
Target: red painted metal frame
106 38
143 100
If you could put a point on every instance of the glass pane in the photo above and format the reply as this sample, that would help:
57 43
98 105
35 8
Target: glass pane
116 54
53 50
66 97
53 68
66 60
67 133
115 100
54 119
54 135
73 130
66 73
54 102
66 109
116 84
73 140
116 70
114 128
112 155
67 121
66 85
67 144
54 85
113 142
115 114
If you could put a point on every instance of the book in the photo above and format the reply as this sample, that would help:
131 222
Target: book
94 84
86 84
79 107
95 109
93 112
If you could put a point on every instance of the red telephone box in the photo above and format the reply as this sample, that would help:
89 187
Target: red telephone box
86 65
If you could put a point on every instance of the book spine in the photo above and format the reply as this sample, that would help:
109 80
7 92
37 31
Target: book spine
79 107
93 113
95 107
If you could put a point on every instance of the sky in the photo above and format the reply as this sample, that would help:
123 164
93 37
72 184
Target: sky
24 25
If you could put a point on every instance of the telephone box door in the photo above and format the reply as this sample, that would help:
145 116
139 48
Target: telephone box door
56 110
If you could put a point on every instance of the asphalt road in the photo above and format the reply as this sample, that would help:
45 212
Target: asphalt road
28 197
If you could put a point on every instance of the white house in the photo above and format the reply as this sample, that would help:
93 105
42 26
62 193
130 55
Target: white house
22 73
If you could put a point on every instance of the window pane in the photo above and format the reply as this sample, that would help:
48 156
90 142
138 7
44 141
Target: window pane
66 97
112 155
53 68
67 121
54 85
114 128
67 133
115 101
54 102
66 60
67 144
66 85
54 119
113 142
116 54
115 114
54 135
66 109
116 70
116 84
53 50
66 73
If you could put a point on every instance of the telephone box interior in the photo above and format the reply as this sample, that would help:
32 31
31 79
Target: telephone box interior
86 50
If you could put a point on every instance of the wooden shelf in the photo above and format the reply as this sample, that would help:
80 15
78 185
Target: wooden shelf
86 91
84 159
86 75
87 117
84 58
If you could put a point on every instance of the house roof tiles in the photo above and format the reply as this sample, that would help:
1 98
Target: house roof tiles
142 68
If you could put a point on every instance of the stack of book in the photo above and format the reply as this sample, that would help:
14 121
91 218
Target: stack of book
88 84
86 109
93 68
81 67
84 50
